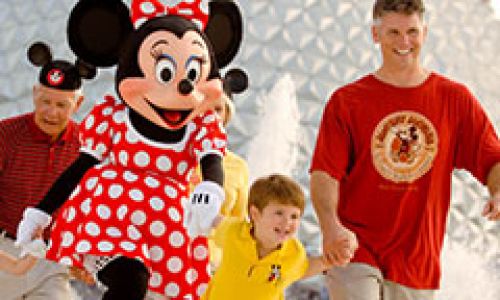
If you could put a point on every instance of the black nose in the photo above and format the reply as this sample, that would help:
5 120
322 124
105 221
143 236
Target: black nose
185 87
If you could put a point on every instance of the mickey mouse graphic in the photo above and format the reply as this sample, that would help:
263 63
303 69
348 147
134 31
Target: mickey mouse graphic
125 200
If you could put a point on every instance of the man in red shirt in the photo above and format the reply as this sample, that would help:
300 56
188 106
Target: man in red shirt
381 171
34 150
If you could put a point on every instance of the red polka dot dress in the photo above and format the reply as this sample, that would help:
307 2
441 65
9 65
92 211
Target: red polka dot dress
132 203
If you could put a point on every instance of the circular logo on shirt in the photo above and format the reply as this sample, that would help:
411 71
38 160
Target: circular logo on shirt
55 77
404 145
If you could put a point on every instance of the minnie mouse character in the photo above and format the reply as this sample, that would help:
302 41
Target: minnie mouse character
125 201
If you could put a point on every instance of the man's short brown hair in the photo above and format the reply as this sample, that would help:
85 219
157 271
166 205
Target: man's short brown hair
400 6
276 188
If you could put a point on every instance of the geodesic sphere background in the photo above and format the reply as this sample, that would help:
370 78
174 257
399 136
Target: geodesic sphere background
323 44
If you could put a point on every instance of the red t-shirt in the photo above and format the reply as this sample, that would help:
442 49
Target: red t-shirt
29 165
393 150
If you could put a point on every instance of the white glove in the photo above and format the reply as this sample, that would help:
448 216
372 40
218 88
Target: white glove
33 220
203 208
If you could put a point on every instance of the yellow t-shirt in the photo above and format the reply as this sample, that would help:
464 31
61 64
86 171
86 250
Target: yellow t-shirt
243 276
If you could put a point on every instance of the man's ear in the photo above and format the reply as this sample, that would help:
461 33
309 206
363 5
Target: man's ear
79 102
375 34
253 212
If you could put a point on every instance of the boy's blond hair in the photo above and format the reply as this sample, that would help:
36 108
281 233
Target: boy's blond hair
276 188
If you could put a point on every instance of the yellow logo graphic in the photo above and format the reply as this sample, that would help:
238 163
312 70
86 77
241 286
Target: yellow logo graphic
404 145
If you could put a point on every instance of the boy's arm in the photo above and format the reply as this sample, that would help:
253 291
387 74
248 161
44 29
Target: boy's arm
317 265
16 266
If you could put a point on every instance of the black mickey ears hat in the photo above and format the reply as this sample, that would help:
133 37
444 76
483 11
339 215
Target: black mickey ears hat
59 74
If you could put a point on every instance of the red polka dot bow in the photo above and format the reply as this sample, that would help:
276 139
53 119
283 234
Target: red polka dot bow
193 10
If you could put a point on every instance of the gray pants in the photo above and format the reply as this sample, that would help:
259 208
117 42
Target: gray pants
359 281
45 281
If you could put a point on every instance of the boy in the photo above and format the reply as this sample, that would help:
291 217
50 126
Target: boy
262 257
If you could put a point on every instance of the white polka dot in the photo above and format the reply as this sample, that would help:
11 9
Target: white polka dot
139 22
147 7
119 117
200 252
171 192
209 119
131 137
174 264
101 148
67 239
219 143
113 232
66 261
121 212
157 228
103 211
90 183
89 143
172 290
107 111
136 195
163 163
117 138
155 279
83 247
133 233
102 127
151 182
105 246
156 253
138 217
141 159
206 144
182 167
201 289
109 174
85 206
129 176
75 192
191 276
201 134
156 203
123 157
174 214
176 239
92 229
89 122
71 214
98 191
115 191
128 246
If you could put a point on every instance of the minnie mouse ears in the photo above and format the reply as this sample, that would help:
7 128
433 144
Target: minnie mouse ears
98 29
235 81
59 74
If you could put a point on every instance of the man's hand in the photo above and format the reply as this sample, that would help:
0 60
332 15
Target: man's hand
34 220
339 245
203 208
491 210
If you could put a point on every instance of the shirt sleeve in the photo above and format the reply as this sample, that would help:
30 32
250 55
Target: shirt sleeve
219 234
96 133
240 206
477 148
333 144
211 138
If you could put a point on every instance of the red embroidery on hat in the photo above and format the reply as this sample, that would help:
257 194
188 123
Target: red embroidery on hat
55 77
193 10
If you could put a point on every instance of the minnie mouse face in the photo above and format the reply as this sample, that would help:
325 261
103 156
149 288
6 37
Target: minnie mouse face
175 85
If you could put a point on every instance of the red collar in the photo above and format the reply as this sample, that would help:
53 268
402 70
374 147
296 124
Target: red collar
40 136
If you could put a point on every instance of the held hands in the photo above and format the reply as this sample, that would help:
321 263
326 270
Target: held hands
491 210
33 222
339 245
203 208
